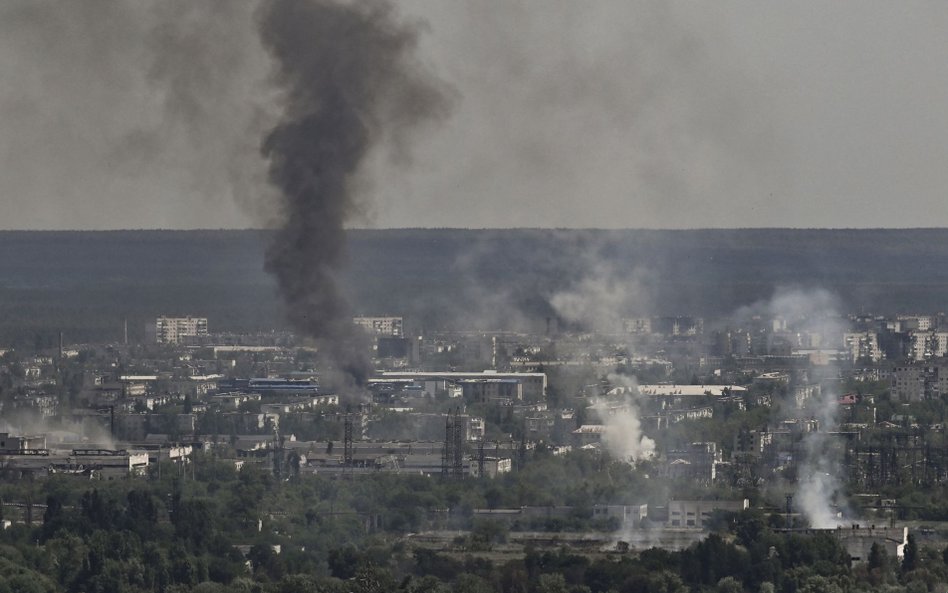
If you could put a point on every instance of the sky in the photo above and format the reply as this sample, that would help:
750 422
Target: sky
606 114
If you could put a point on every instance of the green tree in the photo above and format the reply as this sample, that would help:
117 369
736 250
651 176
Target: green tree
343 562
426 584
265 562
193 522
910 558
877 557
729 585
551 583
373 579
471 583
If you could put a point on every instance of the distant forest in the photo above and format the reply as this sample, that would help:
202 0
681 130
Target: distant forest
86 284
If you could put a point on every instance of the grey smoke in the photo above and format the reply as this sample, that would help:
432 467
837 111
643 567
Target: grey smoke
602 297
624 437
156 111
350 83
607 114
131 114
819 490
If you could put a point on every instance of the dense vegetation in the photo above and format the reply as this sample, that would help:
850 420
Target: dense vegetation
213 529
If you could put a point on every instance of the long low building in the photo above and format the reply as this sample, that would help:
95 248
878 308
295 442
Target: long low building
691 390
484 385
89 463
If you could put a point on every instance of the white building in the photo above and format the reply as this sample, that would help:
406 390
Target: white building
170 330
862 346
637 325
929 344
381 326
696 513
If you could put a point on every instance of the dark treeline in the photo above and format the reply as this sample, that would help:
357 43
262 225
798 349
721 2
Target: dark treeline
212 529
86 283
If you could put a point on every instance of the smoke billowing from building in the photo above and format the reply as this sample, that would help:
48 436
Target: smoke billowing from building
350 84
601 297
623 436
819 488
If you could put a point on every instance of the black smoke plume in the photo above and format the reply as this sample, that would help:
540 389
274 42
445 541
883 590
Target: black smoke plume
350 83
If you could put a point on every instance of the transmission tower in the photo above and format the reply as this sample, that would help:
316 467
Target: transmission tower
458 445
347 442
447 451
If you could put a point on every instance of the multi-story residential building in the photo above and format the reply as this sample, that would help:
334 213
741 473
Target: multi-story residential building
922 323
928 344
637 325
804 392
920 381
696 462
862 346
171 330
382 326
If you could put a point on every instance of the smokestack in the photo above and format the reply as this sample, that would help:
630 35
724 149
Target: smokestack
349 83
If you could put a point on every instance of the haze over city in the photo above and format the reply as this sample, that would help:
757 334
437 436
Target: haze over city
558 114
365 296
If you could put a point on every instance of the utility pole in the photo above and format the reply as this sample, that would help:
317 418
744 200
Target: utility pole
480 459
789 521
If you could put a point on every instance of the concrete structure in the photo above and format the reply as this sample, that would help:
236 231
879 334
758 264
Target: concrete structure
696 513
927 345
698 462
666 418
588 434
381 326
908 383
862 346
491 390
101 463
858 539
493 466
171 330
10 444
920 381
804 392
691 390
531 386
637 325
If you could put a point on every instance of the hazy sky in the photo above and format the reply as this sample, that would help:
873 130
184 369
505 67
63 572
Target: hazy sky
565 114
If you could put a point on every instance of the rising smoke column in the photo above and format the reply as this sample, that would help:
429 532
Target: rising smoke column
350 84
624 437
819 487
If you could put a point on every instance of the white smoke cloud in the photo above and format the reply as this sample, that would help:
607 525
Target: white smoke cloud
598 301
818 487
619 413
804 310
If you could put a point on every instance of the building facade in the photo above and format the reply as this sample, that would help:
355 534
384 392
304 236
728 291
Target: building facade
393 327
171 330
